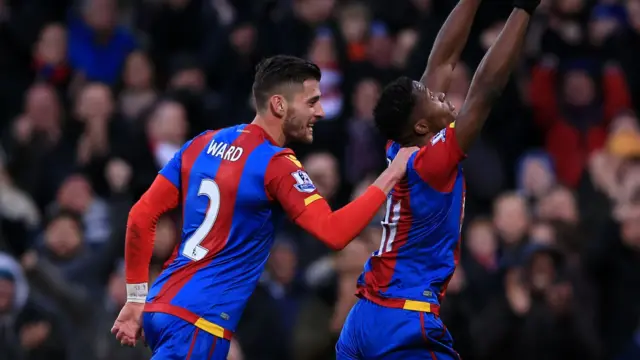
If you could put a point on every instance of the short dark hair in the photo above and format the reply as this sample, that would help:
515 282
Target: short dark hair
64 213
392 113
279 70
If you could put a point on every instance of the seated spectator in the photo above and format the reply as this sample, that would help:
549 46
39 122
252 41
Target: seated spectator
536 175
50 56
575 116
77 195
29 330
138 92
98 47
481 261
511 218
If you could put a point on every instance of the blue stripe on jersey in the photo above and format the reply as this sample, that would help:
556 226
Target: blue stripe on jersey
426 261
205 166
171 171
233 274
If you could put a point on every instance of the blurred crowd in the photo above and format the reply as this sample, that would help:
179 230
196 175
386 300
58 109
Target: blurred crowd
97 95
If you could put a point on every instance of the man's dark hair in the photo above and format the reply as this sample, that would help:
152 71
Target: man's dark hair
281 70
392 113
63 213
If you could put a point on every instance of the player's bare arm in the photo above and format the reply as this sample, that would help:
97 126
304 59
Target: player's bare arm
396 170
493 73
449 45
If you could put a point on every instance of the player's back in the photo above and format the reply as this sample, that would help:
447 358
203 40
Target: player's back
419 249
228 227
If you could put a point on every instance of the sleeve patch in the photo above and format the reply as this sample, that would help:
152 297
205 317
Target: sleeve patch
303 182
308 201
441 136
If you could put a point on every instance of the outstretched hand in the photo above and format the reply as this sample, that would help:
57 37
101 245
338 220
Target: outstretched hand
398 166
128 326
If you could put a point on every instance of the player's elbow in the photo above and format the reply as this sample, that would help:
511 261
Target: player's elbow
335 247
135 211
335 242
138 214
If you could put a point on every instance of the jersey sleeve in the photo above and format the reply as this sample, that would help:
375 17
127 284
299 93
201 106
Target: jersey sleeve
288 183
171 171
437 162
141 227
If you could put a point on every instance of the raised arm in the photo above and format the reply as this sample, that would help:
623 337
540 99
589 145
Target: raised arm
493 73
287 182
449 45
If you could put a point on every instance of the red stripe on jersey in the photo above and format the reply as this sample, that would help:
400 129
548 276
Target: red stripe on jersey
189 156
182 275
456 252
397 234
227 177
388 145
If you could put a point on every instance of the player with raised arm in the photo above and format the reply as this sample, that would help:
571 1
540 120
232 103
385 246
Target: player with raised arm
234 186
404 281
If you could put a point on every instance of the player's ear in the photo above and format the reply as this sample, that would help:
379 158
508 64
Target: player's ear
421 127
278 105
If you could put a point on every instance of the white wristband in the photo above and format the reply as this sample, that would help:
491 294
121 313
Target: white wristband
137 293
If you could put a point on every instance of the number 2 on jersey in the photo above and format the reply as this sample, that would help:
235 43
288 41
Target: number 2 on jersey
192 248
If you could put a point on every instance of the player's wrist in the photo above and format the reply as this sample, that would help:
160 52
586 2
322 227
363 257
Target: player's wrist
137 293
387 180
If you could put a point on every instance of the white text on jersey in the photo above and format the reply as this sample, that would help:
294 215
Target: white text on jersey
224 151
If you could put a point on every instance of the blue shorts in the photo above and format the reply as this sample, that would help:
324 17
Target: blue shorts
173 338
372 331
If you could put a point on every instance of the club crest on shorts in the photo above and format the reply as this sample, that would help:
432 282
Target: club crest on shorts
303 182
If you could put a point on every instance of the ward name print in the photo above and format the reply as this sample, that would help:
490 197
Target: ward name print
224 151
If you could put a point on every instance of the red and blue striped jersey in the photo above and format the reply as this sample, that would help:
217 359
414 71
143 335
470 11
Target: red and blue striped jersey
235 186
420 244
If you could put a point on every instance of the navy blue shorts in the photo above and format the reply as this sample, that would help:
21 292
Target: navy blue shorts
173 338
372 331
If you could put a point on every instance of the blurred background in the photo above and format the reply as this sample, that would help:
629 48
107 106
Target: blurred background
97 95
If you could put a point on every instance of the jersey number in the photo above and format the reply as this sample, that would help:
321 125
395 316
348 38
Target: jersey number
389 224
192 248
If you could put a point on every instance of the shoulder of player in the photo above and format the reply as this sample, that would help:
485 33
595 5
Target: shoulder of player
202 138
287 157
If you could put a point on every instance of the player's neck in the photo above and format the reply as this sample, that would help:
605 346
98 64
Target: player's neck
272 128
418 141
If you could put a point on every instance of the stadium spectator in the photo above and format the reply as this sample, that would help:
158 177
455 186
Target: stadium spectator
97 95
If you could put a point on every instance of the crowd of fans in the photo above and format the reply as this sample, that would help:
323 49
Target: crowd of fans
97 95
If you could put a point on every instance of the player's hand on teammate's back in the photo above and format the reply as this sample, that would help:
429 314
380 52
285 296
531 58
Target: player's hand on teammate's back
128 325
527 5
399 164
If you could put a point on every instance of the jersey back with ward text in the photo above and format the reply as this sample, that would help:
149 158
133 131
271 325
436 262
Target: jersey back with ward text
420 244
229 219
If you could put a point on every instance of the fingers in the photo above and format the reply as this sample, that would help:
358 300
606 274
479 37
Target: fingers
126 338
